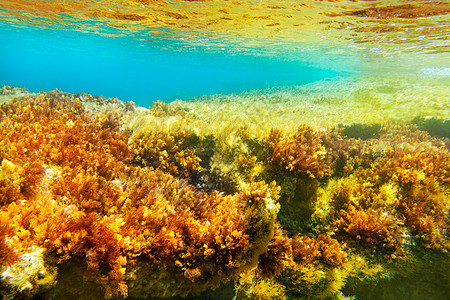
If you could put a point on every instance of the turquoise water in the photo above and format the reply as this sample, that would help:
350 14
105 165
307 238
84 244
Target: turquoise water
135 70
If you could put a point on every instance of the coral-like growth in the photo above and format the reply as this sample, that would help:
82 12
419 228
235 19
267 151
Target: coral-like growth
93 238
420 166
407 180
209 237
312 281
347 154
170 207
302 152
11 90
9 182
323 249
310 267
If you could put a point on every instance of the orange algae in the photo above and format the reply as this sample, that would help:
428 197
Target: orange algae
371 227
302 153
323 248
425 208
168 151
81 198
277 256
7 253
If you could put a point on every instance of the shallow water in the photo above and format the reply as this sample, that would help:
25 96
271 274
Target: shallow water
135 70
148 50
244 86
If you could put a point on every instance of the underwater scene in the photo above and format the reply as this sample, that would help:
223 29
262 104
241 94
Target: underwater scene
241 149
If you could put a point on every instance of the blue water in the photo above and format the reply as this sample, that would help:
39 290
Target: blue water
135 70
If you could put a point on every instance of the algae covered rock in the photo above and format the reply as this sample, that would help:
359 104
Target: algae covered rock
99 200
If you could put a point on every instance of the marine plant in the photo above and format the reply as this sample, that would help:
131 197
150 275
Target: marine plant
82 198
420 165
307 267
7 254
371 227
162 109
318 269
425 208
278 254
167 205
171 152
323 249
302 152
254 287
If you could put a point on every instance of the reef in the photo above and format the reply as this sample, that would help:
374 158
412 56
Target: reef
141 203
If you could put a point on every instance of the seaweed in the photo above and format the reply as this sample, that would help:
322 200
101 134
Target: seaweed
169 208
168 151
278 254
302 153
323 249
83 198
371 227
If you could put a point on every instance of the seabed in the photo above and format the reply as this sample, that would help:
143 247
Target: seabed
291 196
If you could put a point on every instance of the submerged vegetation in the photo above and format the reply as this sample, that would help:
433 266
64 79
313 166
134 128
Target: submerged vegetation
160 203
336 189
